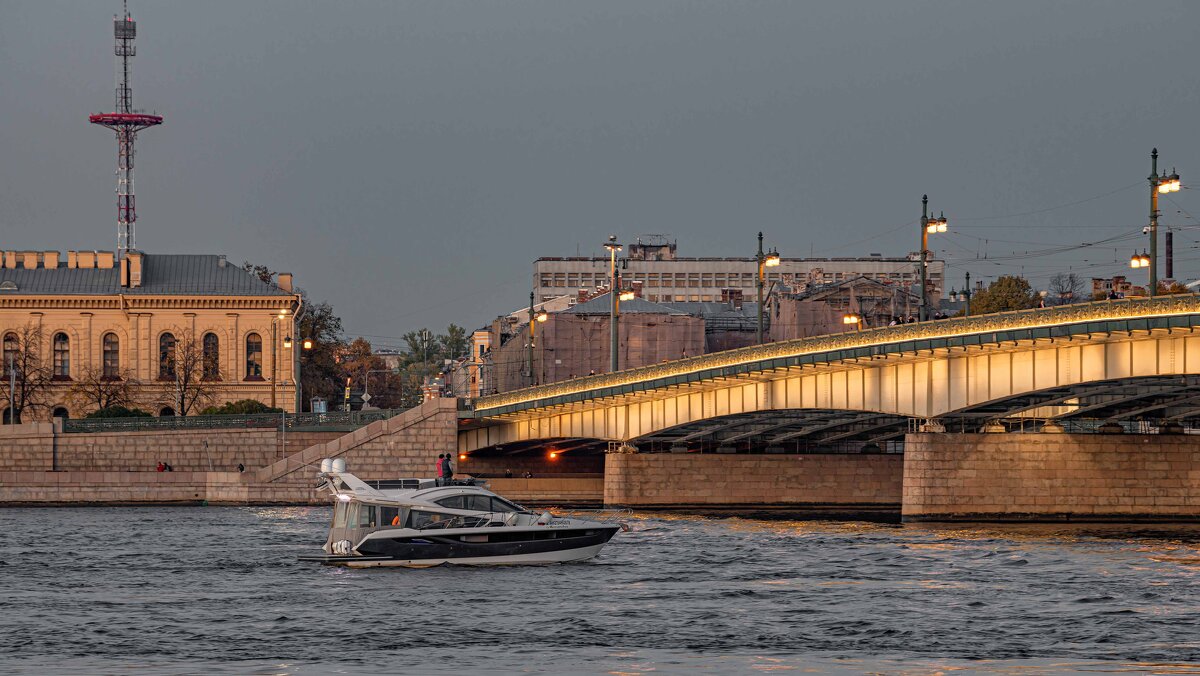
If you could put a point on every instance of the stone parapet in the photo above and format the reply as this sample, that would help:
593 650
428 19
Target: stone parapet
1075 477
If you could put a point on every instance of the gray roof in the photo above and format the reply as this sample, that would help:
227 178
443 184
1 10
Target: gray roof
601 305
162 274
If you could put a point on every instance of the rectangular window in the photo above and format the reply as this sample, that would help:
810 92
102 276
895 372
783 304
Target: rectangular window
368 516
389 516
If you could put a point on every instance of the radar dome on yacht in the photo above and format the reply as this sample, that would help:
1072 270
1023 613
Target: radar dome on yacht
326 465
339 465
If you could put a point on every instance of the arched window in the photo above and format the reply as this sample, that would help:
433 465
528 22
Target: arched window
212 357
61 412
10 349
166 357
62 357
8 417
111 348
254 357
166 412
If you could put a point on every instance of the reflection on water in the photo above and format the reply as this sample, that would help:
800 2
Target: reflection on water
219 590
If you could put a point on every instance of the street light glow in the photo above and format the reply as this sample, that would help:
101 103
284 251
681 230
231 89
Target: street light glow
772 259
851 318
626 295
307 344
543 317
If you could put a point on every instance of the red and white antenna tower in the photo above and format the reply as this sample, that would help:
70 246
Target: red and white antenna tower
126 123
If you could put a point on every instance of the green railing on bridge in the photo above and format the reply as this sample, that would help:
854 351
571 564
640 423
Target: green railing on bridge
335 421
1065 321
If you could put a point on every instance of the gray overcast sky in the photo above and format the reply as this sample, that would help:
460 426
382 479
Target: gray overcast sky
409 160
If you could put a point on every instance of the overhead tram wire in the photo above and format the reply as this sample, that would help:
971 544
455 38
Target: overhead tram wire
1047 209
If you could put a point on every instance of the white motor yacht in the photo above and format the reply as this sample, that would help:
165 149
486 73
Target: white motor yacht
417 522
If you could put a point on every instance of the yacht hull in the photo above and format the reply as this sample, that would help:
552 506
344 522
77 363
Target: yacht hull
541 558
429 549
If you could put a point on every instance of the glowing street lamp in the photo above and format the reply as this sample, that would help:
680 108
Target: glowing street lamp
852 318
614 312
626 295
1159 184
929 225
769 259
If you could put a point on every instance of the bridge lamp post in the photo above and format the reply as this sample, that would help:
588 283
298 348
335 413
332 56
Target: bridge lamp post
534 320
614 312
928 225
765 260
1159 183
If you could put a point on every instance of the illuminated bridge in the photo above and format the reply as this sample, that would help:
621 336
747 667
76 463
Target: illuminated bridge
1133 362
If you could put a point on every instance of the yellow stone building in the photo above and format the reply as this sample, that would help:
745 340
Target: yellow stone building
181 331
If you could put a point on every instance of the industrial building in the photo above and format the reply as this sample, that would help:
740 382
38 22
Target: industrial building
666 277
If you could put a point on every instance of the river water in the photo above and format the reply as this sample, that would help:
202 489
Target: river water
218 590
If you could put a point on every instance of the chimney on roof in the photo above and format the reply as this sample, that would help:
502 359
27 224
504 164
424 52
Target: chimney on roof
87 260
285 281
72 260
29 260
50 260
10 260
136 262
221 261
104 260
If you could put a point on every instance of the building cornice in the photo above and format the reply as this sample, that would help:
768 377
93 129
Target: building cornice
145 302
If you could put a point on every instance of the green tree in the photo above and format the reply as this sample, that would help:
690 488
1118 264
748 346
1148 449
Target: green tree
321 374
454 342
1007 293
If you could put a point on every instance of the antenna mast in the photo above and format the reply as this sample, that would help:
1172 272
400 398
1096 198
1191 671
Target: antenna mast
126 123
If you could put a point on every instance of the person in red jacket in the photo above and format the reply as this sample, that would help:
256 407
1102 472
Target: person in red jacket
439 468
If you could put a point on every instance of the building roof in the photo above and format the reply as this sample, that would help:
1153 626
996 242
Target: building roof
162 274
601 305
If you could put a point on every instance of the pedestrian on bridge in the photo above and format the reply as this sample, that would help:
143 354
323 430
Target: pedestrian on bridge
447 470
440 467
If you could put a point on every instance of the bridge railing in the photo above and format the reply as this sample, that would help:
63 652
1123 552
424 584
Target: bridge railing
334 421
1180 310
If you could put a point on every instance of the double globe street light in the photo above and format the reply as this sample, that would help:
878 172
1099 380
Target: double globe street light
1159 184
929 225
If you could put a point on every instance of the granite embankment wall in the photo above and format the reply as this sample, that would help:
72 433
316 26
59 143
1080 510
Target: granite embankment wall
810 481
1077 477
31 488
34 446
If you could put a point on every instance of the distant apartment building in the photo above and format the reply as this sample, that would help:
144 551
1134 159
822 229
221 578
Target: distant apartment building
666 277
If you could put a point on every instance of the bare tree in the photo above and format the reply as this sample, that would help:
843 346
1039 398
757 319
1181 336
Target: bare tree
22 353
1066 288
93 390
184 373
